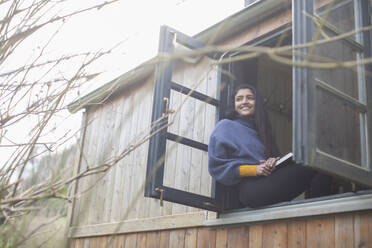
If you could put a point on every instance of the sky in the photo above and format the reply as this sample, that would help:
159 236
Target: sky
133 24
137 24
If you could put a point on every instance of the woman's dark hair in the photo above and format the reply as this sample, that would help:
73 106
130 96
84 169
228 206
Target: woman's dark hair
261 120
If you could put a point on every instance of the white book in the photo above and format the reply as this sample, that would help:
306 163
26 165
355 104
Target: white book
284 160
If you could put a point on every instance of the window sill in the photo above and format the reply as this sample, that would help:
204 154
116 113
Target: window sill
347 202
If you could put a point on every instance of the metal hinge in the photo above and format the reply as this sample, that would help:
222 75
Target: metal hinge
161 191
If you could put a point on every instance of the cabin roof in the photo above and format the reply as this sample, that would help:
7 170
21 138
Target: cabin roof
219 32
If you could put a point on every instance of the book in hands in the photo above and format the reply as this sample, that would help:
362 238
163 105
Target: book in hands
286 159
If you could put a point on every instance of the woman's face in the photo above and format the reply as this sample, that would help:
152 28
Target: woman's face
245 102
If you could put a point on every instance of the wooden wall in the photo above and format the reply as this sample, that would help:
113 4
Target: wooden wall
118 195
112 127
346 230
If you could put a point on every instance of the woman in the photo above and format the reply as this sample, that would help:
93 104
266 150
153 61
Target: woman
242 151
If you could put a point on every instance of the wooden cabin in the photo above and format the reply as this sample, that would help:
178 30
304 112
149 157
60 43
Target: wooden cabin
319 99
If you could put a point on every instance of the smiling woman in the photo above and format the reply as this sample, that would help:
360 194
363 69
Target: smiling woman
245 102
242 152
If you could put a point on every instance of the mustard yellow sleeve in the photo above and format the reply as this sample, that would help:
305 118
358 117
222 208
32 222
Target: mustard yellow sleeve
247 170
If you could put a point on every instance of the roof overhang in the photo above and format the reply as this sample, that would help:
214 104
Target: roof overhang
221 31
242 20
102 93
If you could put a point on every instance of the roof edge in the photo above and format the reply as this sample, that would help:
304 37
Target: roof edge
250 15
102 93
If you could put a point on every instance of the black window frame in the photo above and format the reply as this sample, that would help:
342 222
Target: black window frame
157 145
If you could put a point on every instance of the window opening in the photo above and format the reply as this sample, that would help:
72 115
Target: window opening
301 104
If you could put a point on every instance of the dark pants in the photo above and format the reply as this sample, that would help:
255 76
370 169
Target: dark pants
284 184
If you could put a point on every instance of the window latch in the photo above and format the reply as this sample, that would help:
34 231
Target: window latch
166 100
161 191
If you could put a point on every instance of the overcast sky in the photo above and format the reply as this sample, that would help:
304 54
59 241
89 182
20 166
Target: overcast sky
136 24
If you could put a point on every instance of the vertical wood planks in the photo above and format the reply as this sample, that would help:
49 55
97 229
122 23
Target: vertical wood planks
121 241
206 238
96 180
164 239
138 170
131 169
141 240
197 165
221 238
191 237
153 240
177 238
120 127
344 231
170 163
141 153
238 237
108 180
134 173
131 240
210 121
125 163
88 202
255 236
82 203
94 242
184 155
78 243
109 207
297 234
320 232
103 242
363 230
86 243
121 170
183 160
75 214
274 235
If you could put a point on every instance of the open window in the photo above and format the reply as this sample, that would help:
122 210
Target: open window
319 108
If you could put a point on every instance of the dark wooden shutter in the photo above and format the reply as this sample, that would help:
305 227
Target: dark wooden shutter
332 105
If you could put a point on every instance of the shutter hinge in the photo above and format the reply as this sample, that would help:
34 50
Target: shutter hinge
161 191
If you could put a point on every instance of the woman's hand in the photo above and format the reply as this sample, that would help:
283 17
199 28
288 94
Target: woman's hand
266 167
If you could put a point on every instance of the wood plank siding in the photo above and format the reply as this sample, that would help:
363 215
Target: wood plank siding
346 230
118 194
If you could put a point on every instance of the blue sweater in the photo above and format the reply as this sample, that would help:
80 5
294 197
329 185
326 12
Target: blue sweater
233 143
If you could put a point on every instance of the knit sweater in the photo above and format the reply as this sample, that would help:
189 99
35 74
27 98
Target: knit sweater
234 150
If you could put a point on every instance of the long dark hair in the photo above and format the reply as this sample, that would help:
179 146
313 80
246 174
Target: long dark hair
261 120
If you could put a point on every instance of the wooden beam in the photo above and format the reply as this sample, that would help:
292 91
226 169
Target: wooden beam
193 219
